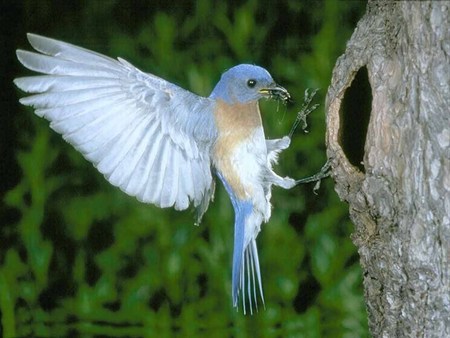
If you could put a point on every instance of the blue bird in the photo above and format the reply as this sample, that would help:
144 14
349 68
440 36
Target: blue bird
163 144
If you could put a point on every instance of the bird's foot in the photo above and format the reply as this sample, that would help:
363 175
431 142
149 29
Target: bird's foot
324 172
305 110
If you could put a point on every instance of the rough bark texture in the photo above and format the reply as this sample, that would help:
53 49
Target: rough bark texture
399 197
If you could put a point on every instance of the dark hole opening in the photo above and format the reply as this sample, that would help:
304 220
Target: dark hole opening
355 115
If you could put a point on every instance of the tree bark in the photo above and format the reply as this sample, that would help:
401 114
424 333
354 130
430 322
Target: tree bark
395 175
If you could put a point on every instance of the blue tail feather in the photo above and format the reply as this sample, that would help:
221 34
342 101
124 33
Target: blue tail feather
242 210
245 256
246 281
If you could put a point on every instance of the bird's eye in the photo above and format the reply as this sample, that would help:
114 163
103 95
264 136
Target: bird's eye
251 83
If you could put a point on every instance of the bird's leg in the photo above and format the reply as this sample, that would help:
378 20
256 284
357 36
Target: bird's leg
274 147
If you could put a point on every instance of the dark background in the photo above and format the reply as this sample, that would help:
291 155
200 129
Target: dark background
80 258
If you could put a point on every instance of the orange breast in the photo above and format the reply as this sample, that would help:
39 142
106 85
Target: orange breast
235 124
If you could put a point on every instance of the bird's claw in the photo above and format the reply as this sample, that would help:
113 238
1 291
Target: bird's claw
324 172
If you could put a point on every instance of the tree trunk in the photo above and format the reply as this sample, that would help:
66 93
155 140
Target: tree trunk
390 155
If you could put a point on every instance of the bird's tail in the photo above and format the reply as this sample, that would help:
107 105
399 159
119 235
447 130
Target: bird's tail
245 265
245 254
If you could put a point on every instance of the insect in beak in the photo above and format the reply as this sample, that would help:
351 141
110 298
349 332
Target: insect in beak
276 92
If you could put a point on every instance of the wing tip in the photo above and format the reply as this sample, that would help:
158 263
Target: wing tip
26 57
17 81
26 101
35 39
31 36
20 53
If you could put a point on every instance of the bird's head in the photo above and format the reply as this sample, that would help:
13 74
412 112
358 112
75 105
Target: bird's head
246 83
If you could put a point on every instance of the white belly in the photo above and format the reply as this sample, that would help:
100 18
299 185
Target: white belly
243 167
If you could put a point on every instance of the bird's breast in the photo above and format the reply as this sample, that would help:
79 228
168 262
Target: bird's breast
240 149
239 118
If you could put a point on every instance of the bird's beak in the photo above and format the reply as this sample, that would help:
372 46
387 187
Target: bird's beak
276 92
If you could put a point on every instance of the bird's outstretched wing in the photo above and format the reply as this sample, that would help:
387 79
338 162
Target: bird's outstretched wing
147 136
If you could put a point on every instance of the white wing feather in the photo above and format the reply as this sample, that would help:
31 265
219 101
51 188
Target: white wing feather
150 138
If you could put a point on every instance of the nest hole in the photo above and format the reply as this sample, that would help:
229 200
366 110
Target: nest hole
354 116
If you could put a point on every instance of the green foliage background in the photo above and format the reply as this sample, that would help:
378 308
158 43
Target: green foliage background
80 258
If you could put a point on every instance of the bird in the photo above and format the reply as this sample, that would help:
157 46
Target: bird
163 144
